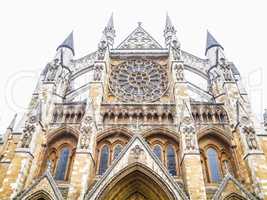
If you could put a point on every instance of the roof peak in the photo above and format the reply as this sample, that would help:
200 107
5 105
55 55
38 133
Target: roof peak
68 43
139 39
211 42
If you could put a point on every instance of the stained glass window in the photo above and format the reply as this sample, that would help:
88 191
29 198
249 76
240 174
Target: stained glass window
157 151
171 163
62 164
103 165
117 151
213 165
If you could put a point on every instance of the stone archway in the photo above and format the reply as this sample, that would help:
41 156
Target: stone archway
39 195
136 182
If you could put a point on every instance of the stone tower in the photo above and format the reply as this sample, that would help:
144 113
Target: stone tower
139 121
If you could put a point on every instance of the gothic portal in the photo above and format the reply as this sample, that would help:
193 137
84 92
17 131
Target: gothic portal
140 121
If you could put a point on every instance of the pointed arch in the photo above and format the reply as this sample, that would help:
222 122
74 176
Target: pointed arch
136 179
41 194
104 159
234 196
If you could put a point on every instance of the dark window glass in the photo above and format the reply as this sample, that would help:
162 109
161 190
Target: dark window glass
171 163
213 165
117 151
103 165
62 164
157 151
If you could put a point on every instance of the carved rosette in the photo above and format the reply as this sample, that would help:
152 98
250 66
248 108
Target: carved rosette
138 81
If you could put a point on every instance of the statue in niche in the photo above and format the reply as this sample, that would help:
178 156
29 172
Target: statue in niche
52 69
85 132
97 72
102 47
179 72
250 137
226 69
176 49
27 132
189 137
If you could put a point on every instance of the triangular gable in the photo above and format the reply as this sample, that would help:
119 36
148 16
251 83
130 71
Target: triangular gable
147 158
230 185
45 184
139 39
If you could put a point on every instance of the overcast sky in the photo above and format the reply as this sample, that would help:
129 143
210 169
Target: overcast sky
31 30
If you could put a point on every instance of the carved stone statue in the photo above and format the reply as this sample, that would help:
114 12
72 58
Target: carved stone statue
227 73
179 72
102 47
27 132
97 72
250 137
52 69
189 138
176 48
85 133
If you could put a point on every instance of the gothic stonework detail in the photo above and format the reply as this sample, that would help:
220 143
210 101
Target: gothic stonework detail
139 81
140 121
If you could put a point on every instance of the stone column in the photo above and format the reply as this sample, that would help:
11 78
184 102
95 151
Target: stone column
190 156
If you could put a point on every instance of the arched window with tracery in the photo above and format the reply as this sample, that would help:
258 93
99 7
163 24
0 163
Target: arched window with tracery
171 162
117 151
62 164
104 158
157 151
213 161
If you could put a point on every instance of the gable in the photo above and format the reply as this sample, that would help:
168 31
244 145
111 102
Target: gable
231 188
136 156
139 39
44 187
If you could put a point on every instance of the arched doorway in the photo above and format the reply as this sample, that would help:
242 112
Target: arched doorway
136 182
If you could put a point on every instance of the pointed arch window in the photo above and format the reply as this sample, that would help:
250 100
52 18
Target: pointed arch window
157 151
62 164
171 162
104 157
213 165
117 151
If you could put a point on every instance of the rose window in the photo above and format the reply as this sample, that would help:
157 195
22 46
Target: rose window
138 81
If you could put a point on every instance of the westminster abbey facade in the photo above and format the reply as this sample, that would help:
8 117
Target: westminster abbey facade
136 121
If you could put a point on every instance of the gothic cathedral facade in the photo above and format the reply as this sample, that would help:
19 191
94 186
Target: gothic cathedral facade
127 123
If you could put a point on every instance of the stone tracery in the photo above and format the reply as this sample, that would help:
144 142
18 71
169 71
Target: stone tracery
138 81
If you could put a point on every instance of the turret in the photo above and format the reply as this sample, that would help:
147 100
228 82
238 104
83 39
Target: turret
65 51
214 51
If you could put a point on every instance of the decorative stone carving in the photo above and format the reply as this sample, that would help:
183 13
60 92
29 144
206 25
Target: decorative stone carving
179 72
226 69
85 132
139 81
102 47
189 132
250 137
28 131
98 72
52 69
136 151
176 49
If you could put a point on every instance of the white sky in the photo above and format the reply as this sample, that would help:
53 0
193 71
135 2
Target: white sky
31 30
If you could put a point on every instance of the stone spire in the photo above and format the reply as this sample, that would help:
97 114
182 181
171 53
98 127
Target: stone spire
12 123
109 31
211 42
169 31
68 43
